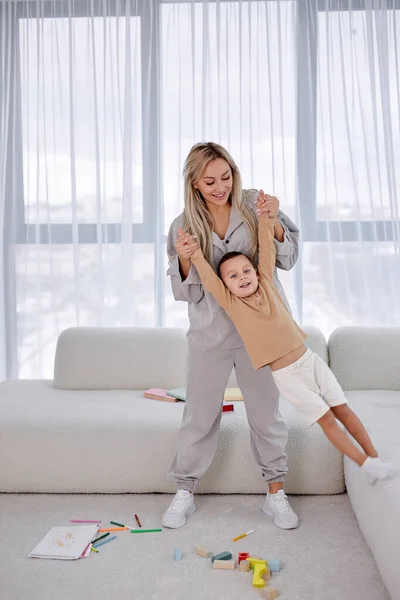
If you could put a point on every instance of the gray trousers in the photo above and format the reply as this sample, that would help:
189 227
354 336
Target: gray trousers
207 377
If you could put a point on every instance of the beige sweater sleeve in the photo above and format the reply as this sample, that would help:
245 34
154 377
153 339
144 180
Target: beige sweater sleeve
267 251
211 282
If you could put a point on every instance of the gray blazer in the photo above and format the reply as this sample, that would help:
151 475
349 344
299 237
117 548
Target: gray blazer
210 327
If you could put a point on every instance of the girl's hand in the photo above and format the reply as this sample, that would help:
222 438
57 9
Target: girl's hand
267 206
185 245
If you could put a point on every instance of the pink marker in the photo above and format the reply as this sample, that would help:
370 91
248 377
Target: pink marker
83 521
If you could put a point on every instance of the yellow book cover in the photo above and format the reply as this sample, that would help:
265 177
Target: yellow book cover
232 394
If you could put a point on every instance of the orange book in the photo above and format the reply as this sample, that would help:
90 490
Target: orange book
159 394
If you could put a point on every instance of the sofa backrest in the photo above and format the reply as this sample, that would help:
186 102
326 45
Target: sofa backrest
366 358
101 358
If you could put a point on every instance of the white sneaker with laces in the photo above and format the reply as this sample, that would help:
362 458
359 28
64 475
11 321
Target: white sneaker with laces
182 506
278 507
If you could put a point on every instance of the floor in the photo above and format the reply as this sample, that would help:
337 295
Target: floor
326 558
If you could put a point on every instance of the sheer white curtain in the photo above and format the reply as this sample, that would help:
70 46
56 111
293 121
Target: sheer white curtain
101 100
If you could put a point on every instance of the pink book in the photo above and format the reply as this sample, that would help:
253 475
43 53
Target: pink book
159 394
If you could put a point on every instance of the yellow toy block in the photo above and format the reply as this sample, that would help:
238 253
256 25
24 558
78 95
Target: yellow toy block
258 580
256 561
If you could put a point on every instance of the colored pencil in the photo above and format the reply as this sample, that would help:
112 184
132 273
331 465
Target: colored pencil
94 549
112 537
114 529
100 538
83 521
239 537
137 521
144 530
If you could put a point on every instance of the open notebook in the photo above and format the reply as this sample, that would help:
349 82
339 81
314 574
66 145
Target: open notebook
67 542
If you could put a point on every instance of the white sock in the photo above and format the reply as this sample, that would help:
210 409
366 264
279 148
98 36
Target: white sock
375 468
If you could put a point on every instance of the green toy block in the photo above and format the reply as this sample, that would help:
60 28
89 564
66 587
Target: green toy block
221 556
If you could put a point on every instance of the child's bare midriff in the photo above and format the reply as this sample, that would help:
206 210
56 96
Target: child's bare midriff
288 359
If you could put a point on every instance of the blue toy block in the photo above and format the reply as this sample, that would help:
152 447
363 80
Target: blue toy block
178 554
274 565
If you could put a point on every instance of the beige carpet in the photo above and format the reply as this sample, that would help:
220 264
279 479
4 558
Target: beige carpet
325 559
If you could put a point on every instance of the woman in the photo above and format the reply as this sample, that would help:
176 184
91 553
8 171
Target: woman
222 217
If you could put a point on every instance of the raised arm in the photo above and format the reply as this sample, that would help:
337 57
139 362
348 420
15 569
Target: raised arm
267 252
211 282
186 286
286 234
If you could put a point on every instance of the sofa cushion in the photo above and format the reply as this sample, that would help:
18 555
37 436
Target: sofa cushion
62 441
366 358
101 358
378 507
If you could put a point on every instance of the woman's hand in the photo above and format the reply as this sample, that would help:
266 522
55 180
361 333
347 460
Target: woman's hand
267 206
185 246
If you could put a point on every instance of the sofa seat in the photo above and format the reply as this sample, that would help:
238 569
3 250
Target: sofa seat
378 507
117 441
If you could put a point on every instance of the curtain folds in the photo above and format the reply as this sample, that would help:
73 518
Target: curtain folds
100 102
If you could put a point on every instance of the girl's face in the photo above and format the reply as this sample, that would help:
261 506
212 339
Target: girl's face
216 183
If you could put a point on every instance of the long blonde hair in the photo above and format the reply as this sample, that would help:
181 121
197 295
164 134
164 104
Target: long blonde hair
197 219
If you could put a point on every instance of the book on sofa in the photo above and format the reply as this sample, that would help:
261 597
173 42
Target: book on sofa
160 394
231 394
65 542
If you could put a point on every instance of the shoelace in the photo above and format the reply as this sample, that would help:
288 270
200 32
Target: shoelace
178 502
283 503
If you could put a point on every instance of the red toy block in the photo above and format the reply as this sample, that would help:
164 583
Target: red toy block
242 556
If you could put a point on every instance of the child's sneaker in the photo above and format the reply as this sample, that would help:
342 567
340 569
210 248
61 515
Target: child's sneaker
278 507
376 469
182 506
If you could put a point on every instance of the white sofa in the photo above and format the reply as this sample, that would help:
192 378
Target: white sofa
366 362
90 430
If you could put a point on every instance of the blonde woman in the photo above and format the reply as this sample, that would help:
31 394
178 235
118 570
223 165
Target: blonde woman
223 219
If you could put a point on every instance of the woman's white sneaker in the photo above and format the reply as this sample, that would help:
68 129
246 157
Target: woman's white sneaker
277 506
182 506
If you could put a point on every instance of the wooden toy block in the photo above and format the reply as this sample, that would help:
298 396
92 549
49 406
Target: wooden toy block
245 566
269 593
221 556
178 554
242 556
256 561
267 575
202 551
274 565
258 580
224 564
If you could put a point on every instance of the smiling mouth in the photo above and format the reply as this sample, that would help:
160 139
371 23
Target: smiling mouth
245 285
219 196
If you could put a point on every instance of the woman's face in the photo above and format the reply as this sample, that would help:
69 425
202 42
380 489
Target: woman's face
215 184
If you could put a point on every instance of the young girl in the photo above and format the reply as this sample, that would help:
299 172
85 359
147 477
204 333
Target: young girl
272 338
